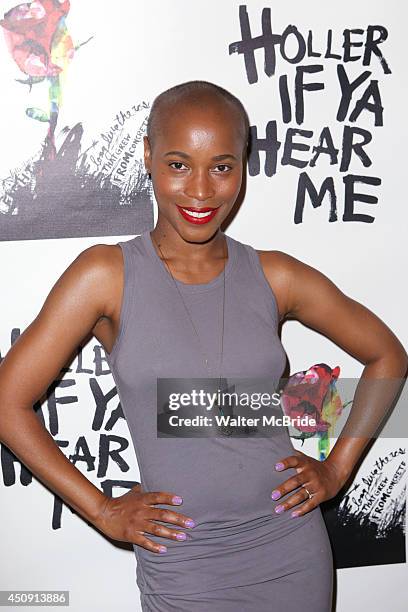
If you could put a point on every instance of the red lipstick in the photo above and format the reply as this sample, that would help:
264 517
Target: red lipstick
200 218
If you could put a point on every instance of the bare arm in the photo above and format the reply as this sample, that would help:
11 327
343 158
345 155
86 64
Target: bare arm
85 299
305 294
71 310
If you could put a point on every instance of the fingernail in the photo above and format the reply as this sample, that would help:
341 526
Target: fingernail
162 549
275 494
279 466
294 513
189 523
181 536
177 499
279 509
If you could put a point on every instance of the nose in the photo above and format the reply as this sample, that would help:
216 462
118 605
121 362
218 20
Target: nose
199 186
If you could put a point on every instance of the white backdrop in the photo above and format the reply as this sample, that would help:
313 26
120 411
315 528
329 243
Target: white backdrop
137 51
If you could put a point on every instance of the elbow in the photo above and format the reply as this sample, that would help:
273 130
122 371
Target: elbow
404 362
393 362
401 358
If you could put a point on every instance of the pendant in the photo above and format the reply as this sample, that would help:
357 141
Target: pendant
225 430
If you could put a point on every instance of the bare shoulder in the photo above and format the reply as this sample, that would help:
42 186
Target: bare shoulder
281 265
278 267
100 257
309 296
85 294
93 285
284 273
101 265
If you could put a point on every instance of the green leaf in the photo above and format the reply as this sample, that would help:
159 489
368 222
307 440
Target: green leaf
37 114
32 80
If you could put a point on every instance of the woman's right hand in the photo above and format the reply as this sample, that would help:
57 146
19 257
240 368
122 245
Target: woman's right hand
86 298
129 517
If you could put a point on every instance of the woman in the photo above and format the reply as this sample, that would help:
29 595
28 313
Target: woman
187 301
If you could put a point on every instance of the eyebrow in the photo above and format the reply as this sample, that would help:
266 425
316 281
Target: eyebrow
215 158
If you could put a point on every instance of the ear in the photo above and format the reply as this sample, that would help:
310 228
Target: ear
147 154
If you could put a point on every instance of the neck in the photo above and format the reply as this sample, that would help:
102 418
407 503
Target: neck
178 248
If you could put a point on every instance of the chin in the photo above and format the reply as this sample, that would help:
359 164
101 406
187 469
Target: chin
198 234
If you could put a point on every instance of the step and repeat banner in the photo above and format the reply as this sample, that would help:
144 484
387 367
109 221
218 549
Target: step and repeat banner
325 88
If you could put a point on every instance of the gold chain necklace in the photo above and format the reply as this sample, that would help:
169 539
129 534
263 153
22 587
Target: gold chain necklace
224 429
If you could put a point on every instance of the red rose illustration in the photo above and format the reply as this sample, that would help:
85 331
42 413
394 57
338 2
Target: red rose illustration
304 395
31 31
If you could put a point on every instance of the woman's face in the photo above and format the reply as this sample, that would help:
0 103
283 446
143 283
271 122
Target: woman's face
196 162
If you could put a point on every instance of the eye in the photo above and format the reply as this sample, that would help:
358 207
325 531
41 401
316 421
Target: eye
223 168
176 165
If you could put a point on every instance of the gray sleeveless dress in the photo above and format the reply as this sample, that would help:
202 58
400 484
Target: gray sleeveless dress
241 556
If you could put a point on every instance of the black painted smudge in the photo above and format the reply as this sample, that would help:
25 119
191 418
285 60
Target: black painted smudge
63 197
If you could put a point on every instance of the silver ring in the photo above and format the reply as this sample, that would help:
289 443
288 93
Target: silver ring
308 492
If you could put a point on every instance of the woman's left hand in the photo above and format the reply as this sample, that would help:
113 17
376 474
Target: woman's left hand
321 478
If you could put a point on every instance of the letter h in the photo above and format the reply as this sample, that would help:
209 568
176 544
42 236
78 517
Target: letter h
248 44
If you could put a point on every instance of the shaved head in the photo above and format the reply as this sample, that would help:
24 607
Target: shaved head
201 94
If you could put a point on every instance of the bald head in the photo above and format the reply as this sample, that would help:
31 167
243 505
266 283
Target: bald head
200 94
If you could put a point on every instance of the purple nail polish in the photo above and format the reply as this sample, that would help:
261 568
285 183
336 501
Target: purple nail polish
279 466
190 523
181 536
162 549
275 494
294 513
177 499
279 509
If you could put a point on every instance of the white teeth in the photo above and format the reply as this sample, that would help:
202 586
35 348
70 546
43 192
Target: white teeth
197 214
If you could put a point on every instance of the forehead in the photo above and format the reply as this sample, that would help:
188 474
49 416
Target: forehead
194 124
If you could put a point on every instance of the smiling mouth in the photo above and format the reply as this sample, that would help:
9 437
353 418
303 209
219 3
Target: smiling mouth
197 214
